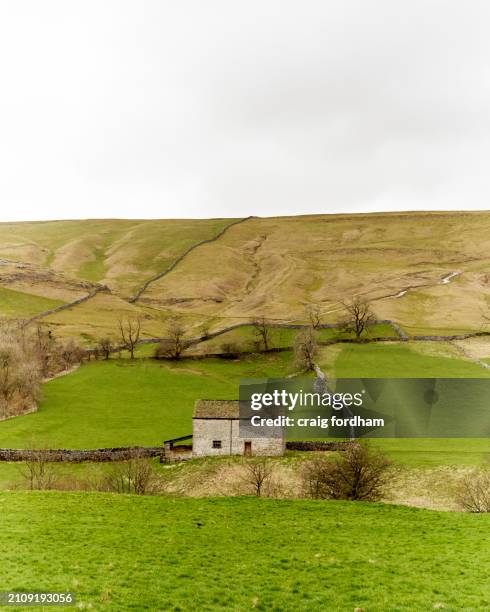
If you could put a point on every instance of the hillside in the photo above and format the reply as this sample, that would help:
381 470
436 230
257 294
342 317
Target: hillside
427 271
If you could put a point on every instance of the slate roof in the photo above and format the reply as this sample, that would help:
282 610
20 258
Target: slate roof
217 409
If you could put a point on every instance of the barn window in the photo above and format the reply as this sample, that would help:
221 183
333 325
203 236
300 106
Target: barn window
216 443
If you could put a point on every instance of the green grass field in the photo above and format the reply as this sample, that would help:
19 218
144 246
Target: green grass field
124 403
119 402
17 304
118 552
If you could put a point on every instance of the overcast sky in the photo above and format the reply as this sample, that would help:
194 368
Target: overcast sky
229 108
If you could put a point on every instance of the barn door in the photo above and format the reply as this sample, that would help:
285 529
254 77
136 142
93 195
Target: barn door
247 449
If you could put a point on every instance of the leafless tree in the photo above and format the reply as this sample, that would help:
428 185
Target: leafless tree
39 473
258 474
359 473
175 343
130 333
313 316
263 332
105 347
359 316
305 349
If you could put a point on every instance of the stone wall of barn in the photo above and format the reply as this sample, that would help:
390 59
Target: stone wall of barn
226 431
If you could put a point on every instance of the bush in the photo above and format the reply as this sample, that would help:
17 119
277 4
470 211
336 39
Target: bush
358 474
21 370
136 475
39 472
473 494
257 475
174 344
229 350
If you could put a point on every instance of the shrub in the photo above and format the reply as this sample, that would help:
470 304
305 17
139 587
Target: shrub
21 370
473 493
174 344
39 473
229 350
359 473
105 348
137 475
257 475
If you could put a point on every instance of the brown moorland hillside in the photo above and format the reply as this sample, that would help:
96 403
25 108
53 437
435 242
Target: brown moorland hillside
429 271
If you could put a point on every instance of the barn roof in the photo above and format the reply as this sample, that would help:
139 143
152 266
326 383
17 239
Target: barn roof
217 409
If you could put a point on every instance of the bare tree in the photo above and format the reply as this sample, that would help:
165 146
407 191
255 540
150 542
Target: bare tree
257 475
359 473
314 316
305 349
105 347
175 343
130 333
263 332
359 316
39 472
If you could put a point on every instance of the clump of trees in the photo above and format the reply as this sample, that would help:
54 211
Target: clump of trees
26 357
359 474
359 316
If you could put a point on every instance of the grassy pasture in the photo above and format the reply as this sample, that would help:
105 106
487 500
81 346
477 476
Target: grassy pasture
400 360
17 304
119 552
119 402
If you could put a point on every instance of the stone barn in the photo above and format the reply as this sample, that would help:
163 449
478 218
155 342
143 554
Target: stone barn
215 427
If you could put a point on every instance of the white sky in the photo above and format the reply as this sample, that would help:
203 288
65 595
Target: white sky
230 108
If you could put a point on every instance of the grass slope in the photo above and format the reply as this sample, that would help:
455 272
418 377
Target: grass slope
400 361
121 252
16 304
132 553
